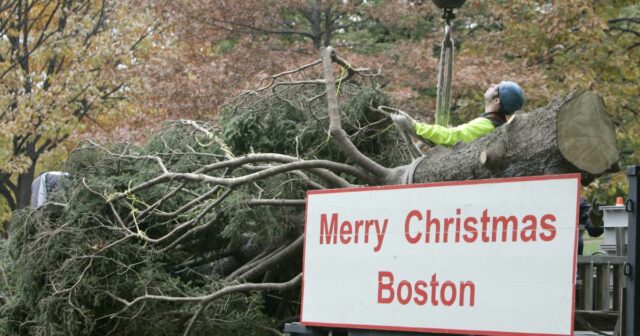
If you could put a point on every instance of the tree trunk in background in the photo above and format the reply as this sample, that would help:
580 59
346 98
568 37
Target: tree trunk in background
570 135
315 18
23 196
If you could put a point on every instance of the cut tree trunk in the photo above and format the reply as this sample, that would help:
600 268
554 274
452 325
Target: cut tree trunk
570 135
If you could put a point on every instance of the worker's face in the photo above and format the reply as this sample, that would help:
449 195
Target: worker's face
492 99
491 93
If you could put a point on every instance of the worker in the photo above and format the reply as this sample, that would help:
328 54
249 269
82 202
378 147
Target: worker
590 221
501 102
44 185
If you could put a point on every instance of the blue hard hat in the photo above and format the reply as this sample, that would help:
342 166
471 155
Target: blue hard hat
511 97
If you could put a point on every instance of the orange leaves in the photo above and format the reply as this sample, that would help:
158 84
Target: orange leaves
61 63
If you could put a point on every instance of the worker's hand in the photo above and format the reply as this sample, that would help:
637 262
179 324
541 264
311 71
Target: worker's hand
401 117
404 124
595 215
409 118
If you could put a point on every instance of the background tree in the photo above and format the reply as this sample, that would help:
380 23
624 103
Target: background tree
214 49
59 67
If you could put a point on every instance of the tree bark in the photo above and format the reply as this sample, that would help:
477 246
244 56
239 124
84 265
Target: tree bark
23 195
314 20
570 135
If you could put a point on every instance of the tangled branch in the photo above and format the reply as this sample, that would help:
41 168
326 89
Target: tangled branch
188 233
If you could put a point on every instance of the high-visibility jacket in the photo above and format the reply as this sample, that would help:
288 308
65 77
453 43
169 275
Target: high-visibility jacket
449 136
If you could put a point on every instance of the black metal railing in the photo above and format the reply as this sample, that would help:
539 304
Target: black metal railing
631 320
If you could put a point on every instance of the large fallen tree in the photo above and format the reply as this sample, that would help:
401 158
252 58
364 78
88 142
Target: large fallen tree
199 232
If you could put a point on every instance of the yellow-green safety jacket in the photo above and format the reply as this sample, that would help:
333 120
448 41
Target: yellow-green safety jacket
449 136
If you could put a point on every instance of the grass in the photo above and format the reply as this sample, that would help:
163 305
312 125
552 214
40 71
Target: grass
591 244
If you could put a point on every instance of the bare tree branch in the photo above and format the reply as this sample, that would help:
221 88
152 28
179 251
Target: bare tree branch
200 176
260 258
240 288
626 19
625 30
8 196
289 251
281 202
335 127
218 23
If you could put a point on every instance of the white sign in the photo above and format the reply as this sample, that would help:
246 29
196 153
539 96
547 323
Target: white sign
492 257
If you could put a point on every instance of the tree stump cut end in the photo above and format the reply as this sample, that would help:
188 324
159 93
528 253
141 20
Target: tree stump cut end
586 136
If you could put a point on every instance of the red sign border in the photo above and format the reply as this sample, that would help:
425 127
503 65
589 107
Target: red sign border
440 184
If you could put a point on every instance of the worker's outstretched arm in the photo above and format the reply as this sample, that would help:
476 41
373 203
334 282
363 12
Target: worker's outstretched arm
449 136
